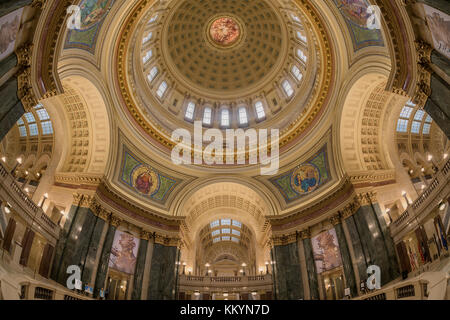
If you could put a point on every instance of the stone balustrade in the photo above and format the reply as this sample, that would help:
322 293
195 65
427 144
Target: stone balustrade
438 190
243 283
406 290
25 207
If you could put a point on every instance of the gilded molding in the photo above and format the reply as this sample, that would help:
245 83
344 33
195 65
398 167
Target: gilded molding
423 88
335 219
145 235
305 234
167 241
115 221
285 239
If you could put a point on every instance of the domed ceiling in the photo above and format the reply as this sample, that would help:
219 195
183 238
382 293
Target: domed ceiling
220 47
263 62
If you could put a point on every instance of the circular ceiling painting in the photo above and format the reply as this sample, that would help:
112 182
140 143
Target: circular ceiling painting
224 31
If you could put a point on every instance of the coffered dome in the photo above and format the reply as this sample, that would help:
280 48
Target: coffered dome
223 46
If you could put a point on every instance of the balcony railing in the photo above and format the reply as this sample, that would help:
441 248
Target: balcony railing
409 290
221 282
438 189
25 206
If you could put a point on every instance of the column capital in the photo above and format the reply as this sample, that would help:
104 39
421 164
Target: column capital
335 219
305 234
145 235
115 221
284 239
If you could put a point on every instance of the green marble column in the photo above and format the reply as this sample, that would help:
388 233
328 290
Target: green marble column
61 244
7 64
102 269
437 105
373 243
440 61
442 5
394 270
139 272
11 108
346 260
77 242
162 273
8 6
311 267
358 248
289 284
89 263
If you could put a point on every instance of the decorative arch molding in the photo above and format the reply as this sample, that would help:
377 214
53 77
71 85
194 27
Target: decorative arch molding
97 129
357 122
258 190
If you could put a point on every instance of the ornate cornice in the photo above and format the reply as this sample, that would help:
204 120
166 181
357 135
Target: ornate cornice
115 221
335 219
167 241
145 235
423 88
284 239
305 234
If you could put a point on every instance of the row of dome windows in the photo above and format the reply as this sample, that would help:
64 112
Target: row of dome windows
29 121
225 113
416 122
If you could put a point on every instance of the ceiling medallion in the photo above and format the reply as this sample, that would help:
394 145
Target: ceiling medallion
224 31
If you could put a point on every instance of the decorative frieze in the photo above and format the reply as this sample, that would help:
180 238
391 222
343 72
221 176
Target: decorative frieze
167 241
115 221
284 239
335 219
423 89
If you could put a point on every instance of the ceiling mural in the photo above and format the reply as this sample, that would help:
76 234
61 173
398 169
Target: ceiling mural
305 178
145 180
93 14
355 13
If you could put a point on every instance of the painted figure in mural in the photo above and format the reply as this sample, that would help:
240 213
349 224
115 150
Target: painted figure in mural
92 11
8 33
144 182
306 179
224 31
440 28
125 259
330 257
355 10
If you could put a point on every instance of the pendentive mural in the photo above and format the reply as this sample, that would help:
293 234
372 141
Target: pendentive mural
327 255
305 178
356 15
93 14
9 27
145 180
124 252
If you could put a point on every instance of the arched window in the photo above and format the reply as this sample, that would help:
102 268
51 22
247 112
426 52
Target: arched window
259 108
153 73
243 118
147 56
225 118
190 111
301 55
162 89
207 115
147 38
287 88
296 72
